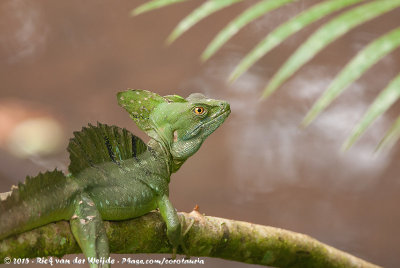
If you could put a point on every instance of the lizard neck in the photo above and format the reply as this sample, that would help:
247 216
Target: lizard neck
160 149
173 165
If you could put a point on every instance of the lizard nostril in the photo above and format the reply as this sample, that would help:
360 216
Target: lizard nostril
225 106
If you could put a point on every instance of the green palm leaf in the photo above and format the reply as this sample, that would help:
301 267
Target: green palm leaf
287 29
206 9
326 35
151 5
392 136
240 21
353 70
384 100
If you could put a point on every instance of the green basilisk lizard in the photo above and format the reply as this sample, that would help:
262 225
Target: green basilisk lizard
114 175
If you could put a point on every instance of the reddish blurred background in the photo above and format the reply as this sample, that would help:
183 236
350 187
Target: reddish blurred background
62 62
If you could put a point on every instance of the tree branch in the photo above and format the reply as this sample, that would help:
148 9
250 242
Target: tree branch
208 236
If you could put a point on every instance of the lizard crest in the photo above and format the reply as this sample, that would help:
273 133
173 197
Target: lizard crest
179 125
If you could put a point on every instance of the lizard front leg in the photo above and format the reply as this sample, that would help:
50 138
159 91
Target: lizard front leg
88 229
174 229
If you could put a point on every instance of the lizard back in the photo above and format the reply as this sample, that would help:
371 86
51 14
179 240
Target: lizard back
47 197
100 144
35 202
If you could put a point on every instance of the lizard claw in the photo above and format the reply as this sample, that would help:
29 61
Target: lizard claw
173 253
184 232
188 228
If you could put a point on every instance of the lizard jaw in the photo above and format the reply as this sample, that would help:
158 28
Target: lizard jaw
223 114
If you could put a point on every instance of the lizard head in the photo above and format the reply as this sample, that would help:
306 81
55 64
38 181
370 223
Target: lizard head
181 125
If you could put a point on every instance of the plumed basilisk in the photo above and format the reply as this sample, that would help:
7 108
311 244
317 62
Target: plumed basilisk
114 175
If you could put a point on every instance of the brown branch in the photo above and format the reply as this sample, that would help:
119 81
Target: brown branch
208 236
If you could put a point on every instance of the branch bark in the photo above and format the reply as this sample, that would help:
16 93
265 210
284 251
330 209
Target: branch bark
207 237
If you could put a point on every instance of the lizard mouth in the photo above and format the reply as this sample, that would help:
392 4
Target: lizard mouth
219 117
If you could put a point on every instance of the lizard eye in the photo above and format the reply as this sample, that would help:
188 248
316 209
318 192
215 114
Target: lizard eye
199 110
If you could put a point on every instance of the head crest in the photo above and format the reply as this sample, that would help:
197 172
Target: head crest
139 104
195 96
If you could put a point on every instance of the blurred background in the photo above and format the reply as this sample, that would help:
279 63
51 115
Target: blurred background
62 63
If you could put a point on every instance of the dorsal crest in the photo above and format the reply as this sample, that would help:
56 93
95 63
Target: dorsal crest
31 187
102 143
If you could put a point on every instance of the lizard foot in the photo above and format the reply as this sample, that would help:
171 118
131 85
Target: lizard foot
184 232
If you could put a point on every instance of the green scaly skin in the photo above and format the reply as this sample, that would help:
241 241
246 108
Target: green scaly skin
117 186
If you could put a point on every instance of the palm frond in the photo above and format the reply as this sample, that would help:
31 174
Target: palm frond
250 14
206 9
325 35
375 51
282 32
385 99
151 5
391 137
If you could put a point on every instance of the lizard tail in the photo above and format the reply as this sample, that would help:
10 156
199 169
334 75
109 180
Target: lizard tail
40 200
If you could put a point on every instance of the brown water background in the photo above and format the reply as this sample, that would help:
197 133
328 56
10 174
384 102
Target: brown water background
69 58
